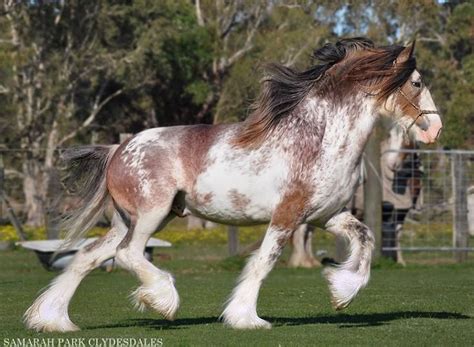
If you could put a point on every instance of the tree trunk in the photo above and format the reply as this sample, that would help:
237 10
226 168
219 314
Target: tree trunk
33 191
52 183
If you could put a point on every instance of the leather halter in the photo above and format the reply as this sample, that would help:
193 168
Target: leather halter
421 112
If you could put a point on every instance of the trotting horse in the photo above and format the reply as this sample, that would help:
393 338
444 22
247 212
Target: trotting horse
294 160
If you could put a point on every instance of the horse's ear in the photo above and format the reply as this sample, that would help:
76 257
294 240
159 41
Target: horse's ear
406 54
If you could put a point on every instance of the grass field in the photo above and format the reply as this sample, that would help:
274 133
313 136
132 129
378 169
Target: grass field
416 305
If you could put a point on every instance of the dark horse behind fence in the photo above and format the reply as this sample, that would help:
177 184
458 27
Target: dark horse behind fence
294 160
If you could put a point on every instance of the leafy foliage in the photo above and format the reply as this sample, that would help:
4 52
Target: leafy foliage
81 72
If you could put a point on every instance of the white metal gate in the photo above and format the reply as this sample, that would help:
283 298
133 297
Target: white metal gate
442 219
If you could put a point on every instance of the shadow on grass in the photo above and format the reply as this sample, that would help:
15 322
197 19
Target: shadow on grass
180 323
343 320
366 320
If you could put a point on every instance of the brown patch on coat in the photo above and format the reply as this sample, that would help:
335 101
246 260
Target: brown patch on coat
203 199
158 162
292 208
126 186
238 200
194 147
122 184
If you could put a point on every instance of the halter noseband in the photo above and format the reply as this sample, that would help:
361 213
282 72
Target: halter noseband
421 112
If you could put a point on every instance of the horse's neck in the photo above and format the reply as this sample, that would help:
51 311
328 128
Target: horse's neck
332 131
349 126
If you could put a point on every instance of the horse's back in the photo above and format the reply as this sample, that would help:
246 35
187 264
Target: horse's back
159 162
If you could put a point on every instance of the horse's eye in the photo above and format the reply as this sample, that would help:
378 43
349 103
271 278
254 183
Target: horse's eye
416 84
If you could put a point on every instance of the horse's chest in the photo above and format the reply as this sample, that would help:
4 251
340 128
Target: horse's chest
334 188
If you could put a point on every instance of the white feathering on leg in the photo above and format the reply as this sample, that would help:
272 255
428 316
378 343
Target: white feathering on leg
160 296
49 312
346 280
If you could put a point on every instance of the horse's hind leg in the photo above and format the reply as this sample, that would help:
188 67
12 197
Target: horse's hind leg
49 312
157 290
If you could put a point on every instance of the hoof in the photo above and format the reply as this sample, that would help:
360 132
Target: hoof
337 305
248 323
305 263
239 316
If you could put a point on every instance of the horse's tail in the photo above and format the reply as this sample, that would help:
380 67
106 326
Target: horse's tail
86 167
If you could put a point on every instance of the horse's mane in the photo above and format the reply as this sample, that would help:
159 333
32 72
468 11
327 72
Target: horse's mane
355 60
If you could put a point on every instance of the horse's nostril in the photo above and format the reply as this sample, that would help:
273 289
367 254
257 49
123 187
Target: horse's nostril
439 133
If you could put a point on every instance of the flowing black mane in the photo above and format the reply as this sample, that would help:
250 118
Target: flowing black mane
284 87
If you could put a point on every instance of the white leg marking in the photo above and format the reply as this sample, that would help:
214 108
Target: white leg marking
157 290
241 310
49 312
346 280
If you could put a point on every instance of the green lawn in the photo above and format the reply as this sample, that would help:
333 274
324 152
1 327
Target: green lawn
417 305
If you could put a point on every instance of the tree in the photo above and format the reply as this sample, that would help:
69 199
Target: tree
288 36
69 67
60 82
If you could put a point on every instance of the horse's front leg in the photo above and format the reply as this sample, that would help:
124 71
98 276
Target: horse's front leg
241 310
347 279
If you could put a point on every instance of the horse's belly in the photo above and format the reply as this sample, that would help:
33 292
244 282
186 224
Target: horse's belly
219 214
235 196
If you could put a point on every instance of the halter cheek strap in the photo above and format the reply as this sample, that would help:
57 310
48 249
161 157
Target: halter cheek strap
421 112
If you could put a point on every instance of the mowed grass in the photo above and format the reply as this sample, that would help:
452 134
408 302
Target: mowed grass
417 305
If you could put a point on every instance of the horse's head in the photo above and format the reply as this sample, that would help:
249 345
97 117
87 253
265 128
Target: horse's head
411 103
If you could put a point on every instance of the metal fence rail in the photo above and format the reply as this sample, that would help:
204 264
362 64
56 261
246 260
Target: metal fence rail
442 218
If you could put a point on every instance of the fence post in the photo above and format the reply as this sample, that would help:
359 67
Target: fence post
233 239
373 188
460 226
